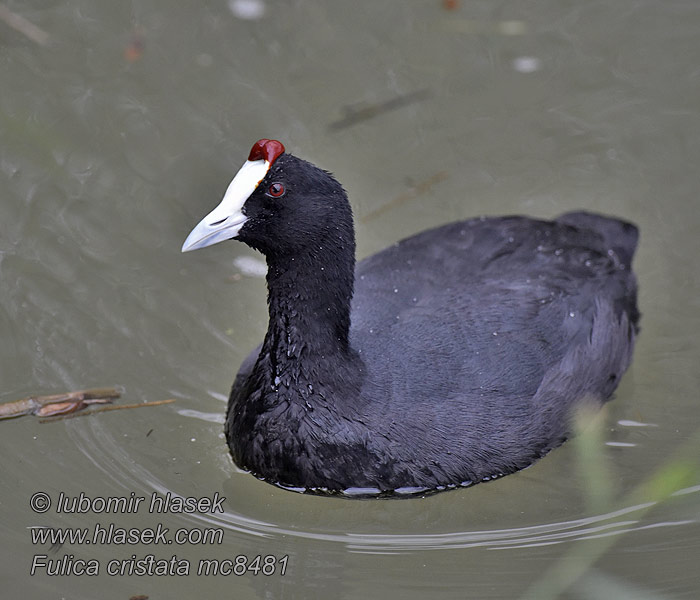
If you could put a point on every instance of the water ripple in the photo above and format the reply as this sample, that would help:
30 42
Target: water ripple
113 459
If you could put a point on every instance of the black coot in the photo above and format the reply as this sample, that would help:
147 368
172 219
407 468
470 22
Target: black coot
459 357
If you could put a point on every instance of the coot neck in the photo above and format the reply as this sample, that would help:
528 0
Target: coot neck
309 294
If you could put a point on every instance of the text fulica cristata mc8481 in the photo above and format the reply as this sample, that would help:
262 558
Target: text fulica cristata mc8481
452 357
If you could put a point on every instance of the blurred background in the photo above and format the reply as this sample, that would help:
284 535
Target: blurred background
121 124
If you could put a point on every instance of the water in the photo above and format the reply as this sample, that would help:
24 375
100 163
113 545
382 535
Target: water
123 131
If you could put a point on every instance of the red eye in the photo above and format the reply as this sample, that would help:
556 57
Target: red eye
275 190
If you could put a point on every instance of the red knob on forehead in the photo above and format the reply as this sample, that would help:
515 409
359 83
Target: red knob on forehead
265 149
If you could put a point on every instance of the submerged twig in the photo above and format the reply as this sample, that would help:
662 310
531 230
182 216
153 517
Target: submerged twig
106 408
19 23
357 115
415 191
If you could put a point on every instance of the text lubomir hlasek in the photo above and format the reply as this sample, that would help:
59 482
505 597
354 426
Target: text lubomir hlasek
158 503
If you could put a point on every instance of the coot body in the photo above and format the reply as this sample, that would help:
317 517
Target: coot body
460 357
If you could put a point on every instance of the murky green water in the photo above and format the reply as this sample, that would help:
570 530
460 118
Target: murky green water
123 130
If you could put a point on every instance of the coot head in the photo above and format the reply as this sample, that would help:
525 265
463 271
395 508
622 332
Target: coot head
278 204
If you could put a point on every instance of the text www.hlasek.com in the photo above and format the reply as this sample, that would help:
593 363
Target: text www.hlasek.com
113 534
